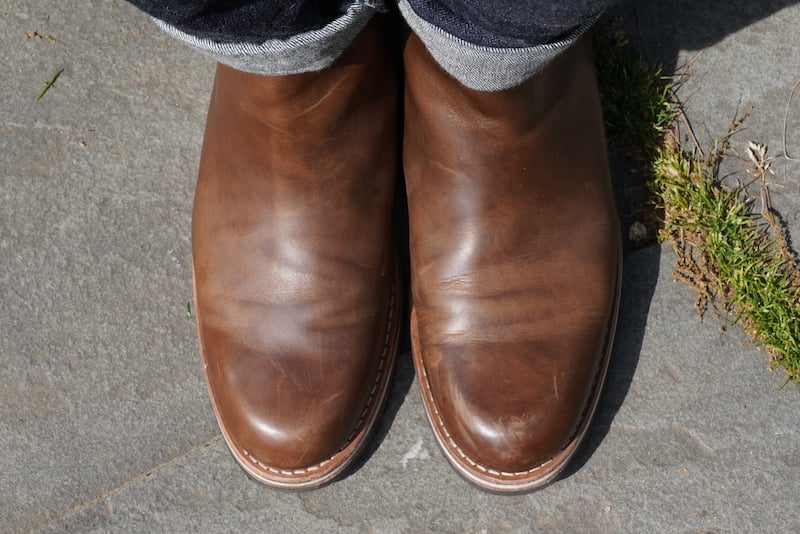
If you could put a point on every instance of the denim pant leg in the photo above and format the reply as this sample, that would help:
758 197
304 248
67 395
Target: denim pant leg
271 37
485 44
490 45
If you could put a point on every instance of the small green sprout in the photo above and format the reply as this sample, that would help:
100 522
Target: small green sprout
49 84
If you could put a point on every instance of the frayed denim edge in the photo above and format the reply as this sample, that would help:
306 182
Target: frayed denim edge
484 68
305 52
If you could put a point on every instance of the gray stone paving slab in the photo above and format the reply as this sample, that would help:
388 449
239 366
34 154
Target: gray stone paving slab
99 373
691 449
105 424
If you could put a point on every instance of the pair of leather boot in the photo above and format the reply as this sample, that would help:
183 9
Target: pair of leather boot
515 262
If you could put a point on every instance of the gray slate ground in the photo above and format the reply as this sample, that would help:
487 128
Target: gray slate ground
105 424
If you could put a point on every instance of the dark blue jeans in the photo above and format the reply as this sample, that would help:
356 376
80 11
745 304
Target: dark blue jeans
485 44
495 23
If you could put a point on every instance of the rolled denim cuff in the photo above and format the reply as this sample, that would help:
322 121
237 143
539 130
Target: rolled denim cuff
486 68
305 52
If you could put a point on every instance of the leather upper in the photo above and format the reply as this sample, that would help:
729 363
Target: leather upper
292 251
515 256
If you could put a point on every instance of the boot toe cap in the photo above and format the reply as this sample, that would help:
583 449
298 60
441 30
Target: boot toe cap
517 418
279 418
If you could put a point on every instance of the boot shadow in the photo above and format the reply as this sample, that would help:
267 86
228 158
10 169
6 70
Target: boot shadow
662 30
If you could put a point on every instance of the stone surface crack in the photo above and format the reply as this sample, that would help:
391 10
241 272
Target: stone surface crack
38 126
105 495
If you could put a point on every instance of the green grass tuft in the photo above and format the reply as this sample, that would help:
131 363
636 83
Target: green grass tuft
636 97
735 256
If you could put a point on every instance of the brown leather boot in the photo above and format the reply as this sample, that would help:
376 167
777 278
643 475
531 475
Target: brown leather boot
515 256
296 288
